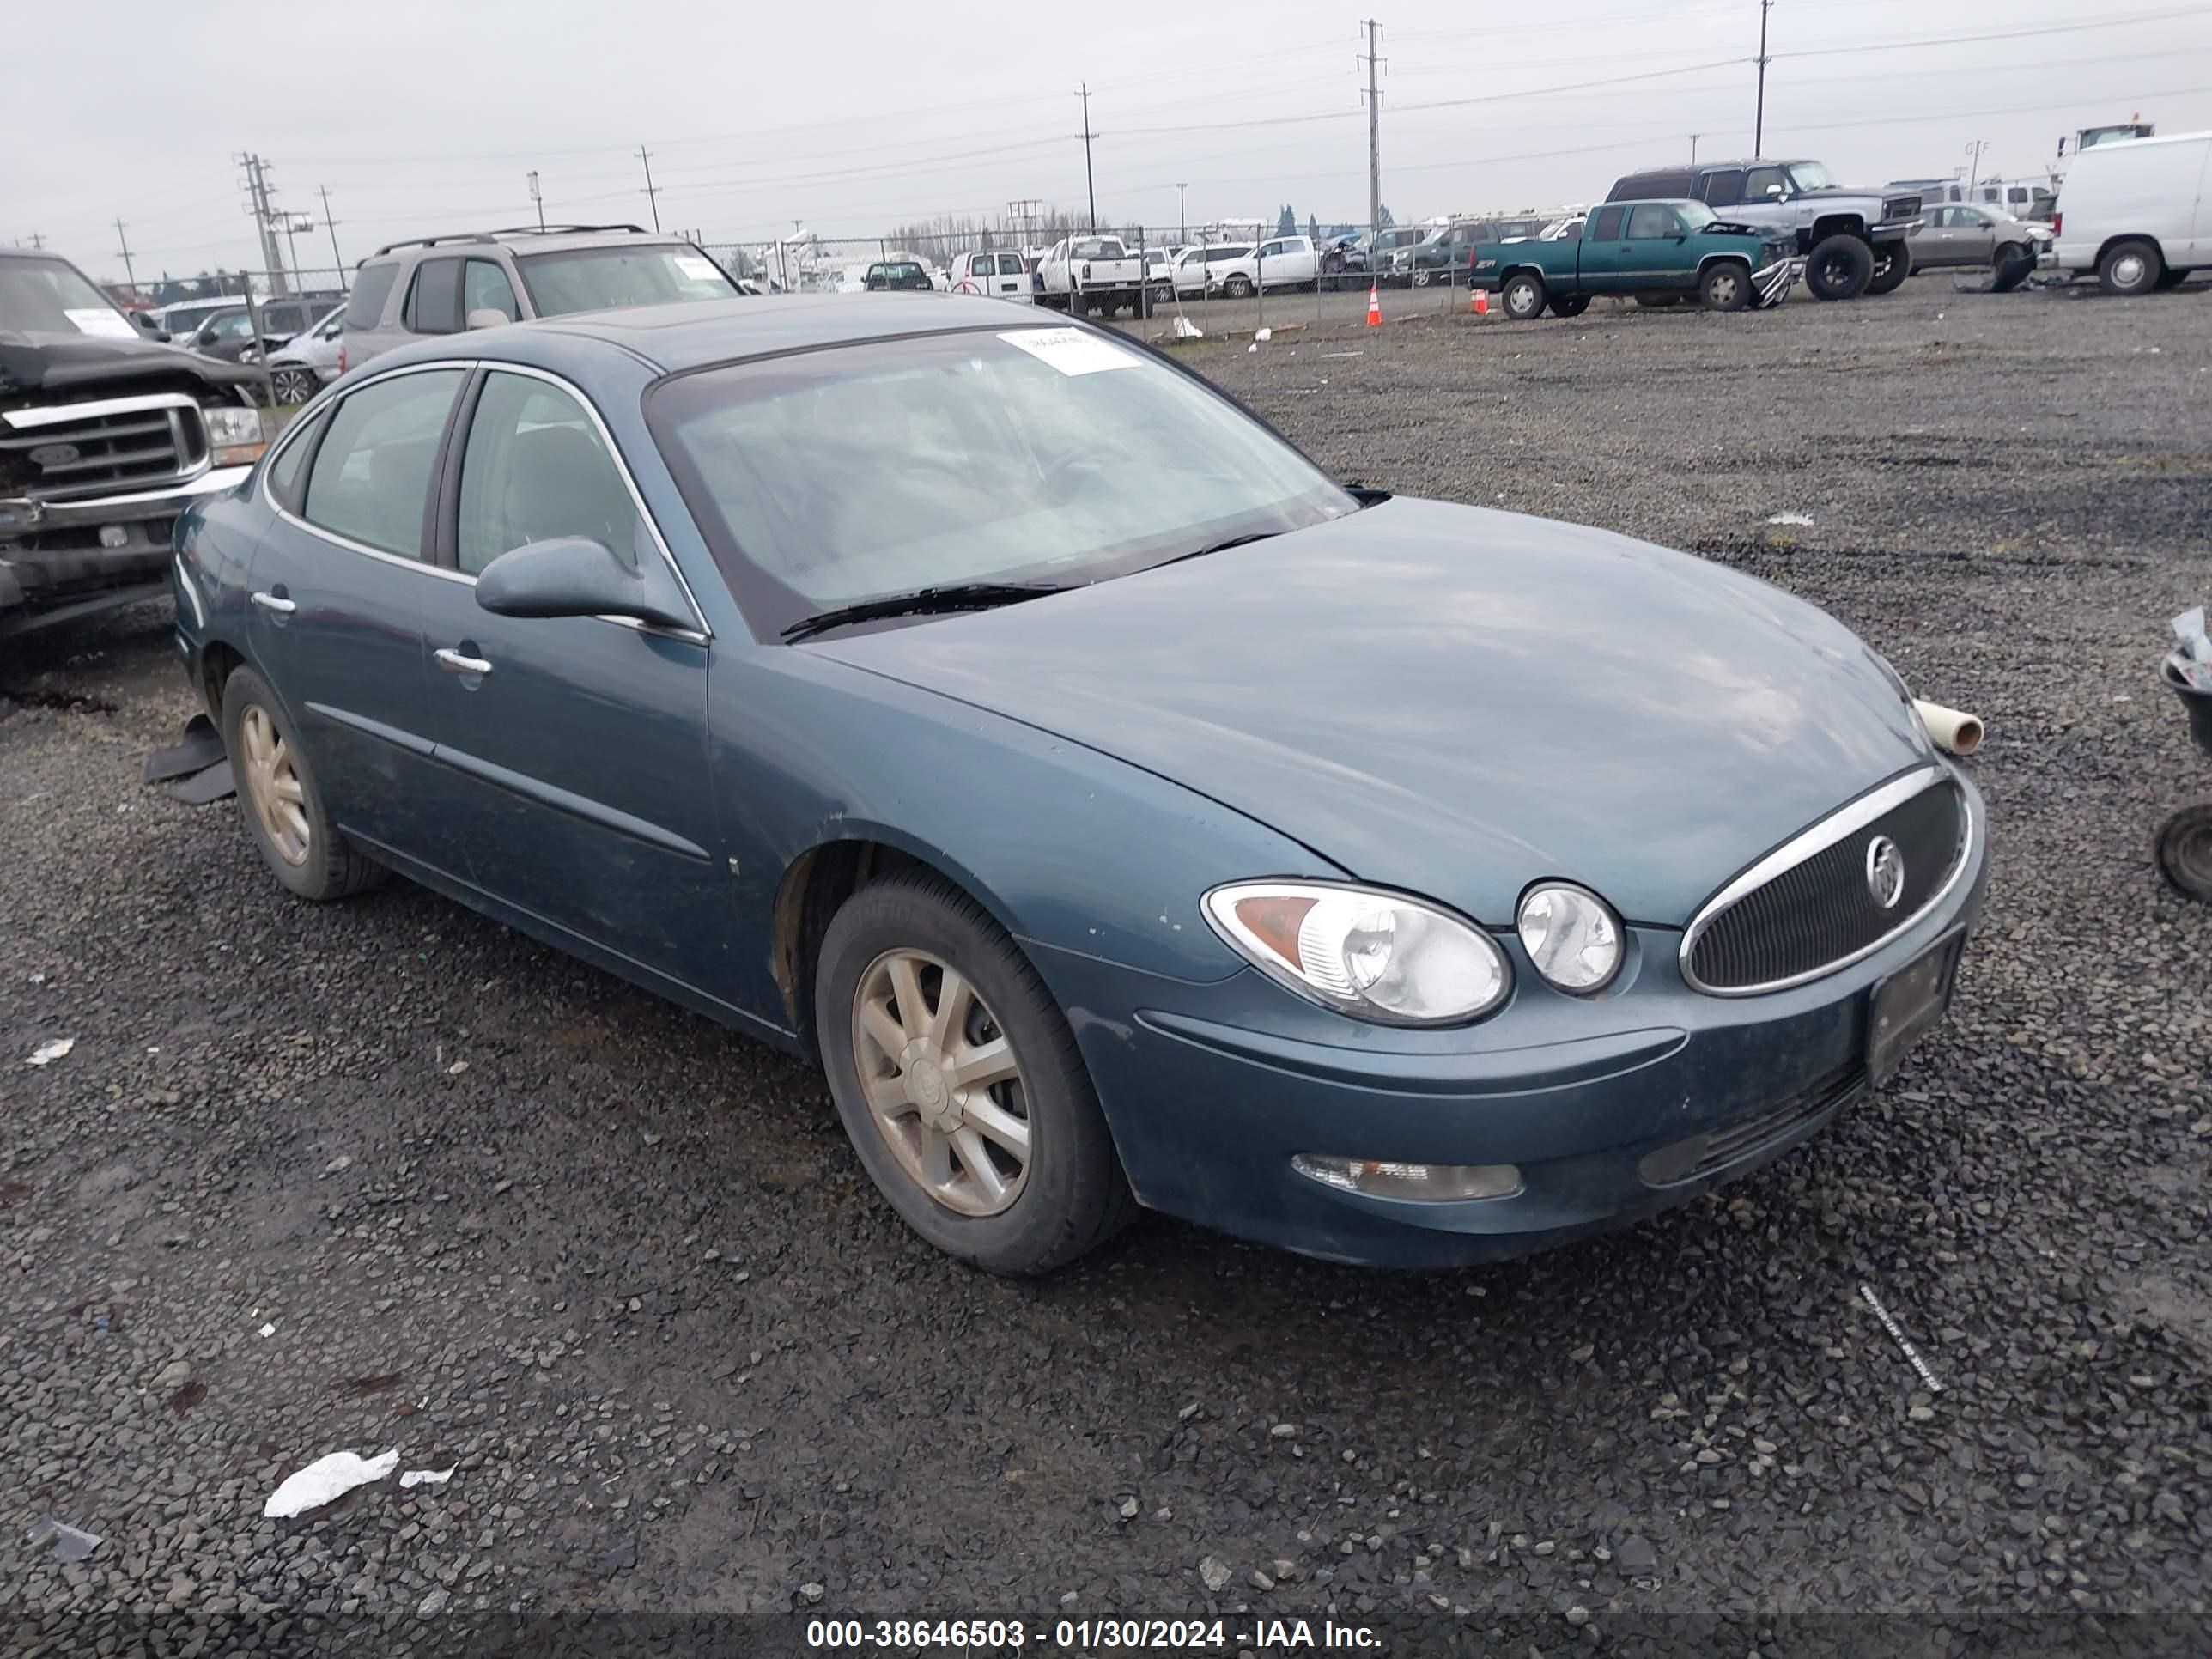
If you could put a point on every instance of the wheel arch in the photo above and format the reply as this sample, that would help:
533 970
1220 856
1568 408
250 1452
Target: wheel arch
1840 224
1710 261
219 661
2112 242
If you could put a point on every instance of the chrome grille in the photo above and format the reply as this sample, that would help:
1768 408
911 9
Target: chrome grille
1809 908
1900 207
65 451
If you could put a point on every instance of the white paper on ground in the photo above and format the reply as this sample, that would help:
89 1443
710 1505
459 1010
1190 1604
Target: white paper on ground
1791 517
47 1052
427 1477
325 1480
1071 351
98 319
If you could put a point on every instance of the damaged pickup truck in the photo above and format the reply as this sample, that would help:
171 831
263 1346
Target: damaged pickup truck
104 438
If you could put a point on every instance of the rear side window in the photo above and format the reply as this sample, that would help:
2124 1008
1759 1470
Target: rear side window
284 482
433 302
371 287
371 478
1605 226
1722 189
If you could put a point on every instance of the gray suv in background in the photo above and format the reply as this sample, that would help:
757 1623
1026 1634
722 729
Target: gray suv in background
479 279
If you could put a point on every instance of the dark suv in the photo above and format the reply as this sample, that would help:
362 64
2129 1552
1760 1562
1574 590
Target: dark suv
1853 241
479 279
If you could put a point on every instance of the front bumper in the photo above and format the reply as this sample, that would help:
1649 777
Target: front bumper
1614 1108
59 560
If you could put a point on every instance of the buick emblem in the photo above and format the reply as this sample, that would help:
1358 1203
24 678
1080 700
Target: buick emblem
55 454
1885 871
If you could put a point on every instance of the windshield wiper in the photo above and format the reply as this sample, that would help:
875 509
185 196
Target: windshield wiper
923 601
1220 546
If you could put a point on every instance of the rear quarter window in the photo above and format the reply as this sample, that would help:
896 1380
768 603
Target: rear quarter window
371 287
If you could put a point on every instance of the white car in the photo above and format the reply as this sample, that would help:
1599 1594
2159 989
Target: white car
308 362
1285 262
2134 212
1194 270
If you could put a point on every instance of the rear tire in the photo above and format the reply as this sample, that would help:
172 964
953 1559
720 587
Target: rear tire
2130 267
276 796
1238 286
1523 299
1658 301
1725 286
1067 1193
1838 268
1892 263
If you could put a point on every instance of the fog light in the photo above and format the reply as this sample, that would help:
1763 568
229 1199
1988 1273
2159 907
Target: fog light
1431 1183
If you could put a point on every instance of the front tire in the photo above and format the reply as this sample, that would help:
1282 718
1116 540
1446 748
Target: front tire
1725 287
2010 267
276 796
1523 299
960 1082
1838 268
1238 288
2130 267
1892 263
2183 850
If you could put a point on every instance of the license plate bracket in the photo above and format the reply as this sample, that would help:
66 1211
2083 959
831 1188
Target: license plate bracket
1905 1005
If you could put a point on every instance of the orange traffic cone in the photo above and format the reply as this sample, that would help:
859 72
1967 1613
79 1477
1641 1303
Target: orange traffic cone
1482 303
1374 308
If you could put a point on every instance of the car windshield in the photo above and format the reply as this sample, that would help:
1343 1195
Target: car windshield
607 278
48 296
900 273
1696 215
1811 175
1046 455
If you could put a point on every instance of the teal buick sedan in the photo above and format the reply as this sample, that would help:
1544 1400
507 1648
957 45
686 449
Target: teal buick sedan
1122 812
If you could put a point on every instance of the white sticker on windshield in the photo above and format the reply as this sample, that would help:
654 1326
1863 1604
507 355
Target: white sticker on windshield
698 270
98 319
1071 351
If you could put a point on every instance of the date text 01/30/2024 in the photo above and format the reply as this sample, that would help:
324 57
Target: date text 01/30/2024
989 1635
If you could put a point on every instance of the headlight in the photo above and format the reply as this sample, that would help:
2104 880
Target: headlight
234 434
1571 935
1378 957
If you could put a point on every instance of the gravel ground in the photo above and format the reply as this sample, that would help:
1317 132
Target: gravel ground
387 1175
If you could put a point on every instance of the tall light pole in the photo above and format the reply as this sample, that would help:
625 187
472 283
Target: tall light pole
1182 214
1975 150
1758 121
1374 137
1089 183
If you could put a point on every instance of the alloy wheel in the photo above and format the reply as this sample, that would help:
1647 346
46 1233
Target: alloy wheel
941 1082
279 801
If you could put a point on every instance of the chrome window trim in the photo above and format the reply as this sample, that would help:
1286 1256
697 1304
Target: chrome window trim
700 636
1846 820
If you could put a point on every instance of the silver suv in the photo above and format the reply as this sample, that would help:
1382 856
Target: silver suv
1853 241
480 279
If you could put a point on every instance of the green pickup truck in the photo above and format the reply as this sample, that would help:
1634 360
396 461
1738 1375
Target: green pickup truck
1653 252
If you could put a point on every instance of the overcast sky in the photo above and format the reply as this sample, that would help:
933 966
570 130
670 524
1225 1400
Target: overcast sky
854 116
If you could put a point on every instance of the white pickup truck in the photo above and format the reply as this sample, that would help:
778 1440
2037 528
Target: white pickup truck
1092 273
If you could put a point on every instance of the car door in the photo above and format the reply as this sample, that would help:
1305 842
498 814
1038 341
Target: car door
1603 247
1651 255
342 589
573 749
1299 264
1974 235
1012 280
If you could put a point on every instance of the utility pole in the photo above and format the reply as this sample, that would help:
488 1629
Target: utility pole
129 275
1374 140
1758 121
37 240
538 200
330 224
1693 146
1183 212
1090 184
1975 151
256 188
651 195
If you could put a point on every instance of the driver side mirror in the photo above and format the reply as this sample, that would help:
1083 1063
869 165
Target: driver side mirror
487 317
1774 189
573 576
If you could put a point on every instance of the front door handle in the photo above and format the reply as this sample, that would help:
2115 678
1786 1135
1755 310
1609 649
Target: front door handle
282 607
454 663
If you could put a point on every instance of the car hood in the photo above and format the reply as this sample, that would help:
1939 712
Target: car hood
62 362
1452 700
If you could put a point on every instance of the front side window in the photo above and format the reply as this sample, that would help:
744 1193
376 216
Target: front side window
608 278
1761 183
1034 454
1649 220
226 327
371 287
484 287
536 470
370 478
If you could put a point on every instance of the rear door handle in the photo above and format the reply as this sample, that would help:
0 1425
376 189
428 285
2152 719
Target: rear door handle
454 663
270 602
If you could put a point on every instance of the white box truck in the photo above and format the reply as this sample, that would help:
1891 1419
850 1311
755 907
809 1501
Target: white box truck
2134 212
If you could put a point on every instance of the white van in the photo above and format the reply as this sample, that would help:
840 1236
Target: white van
1001 275
2136 212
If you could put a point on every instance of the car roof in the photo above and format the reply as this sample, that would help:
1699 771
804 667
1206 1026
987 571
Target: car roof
693 333
522 243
